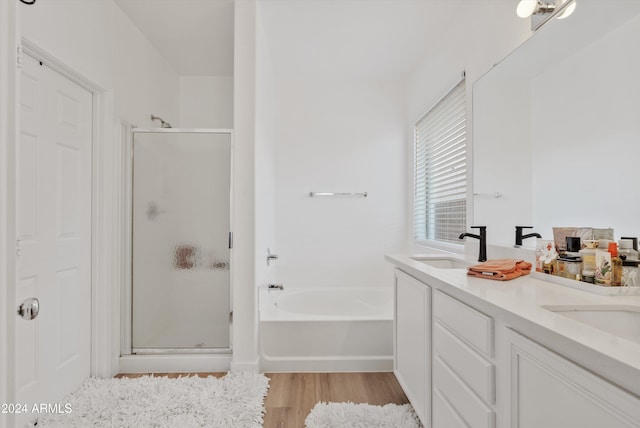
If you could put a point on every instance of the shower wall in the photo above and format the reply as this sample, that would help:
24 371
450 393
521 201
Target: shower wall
181 256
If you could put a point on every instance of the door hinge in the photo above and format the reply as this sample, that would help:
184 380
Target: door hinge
19 56
18 247
230 240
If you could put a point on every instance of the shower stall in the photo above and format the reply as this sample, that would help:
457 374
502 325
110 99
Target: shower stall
178 299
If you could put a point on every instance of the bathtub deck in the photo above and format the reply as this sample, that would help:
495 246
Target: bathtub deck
291 396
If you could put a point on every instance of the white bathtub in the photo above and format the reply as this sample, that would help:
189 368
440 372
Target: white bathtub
326 329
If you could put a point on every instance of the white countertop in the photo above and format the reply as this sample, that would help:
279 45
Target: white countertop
519 302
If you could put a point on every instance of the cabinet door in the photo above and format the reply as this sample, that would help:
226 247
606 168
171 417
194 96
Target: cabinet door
550 391
412 342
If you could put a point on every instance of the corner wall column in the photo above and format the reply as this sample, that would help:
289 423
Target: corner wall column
244 293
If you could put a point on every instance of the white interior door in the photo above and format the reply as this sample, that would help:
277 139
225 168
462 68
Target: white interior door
52 351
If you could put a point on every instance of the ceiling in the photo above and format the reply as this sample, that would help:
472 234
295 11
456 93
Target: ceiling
195 36
363 38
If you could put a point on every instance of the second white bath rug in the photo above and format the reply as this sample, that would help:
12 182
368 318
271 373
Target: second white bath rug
350 415
233 401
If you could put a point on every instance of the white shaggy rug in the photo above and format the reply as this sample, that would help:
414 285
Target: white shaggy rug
233 401
350 415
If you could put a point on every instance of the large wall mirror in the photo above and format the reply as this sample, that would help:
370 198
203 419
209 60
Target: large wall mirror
557 127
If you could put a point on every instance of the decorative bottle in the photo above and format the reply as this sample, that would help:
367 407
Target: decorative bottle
616 265
588 256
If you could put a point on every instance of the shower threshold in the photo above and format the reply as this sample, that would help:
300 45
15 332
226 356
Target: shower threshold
194 350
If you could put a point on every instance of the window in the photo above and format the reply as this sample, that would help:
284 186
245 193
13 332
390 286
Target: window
440 203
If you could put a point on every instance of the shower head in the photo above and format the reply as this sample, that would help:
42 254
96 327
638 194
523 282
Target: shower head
163 124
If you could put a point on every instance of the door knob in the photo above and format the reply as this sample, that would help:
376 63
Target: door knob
29 309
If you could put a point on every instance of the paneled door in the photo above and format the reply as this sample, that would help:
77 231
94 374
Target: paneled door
52 351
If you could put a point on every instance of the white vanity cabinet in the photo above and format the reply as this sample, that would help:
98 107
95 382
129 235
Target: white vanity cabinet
463 370
464 365
547 390
412 342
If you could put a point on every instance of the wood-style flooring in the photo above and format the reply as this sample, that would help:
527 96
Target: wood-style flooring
291 396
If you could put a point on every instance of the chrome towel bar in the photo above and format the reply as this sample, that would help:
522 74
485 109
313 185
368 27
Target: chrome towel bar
360 194
495 194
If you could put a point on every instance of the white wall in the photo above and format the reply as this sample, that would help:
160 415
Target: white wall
483 34
99 41
339 135
265 160
206 102
355 135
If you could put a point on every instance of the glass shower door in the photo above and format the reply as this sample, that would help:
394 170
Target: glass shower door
180 254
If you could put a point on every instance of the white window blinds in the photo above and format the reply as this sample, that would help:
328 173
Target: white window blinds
440 203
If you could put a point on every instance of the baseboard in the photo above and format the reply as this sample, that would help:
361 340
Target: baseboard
246 366
326 365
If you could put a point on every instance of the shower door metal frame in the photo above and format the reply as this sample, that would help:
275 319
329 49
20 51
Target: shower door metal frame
126 331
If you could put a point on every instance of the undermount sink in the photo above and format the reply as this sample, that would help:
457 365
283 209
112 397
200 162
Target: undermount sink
621 321
442 262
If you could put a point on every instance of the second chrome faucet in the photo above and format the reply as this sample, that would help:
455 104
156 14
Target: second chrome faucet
482 237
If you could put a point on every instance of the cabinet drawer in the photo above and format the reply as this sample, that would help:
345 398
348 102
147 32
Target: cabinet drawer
473 369
469 406
472 326
443 413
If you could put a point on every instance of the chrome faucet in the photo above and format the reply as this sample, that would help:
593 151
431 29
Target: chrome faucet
275 287
482 237
520 236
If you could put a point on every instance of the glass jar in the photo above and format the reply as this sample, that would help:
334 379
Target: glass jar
569 268
573 269
625 247
631 273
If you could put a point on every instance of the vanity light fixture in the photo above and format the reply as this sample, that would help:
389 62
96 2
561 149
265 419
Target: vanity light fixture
542 11
526 8
568 10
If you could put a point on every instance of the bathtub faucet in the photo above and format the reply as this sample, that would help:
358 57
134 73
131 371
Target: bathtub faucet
276 287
